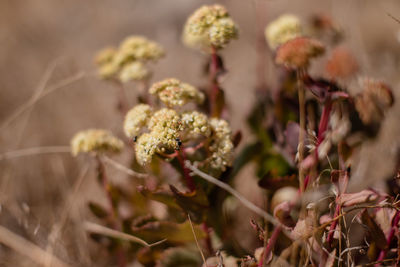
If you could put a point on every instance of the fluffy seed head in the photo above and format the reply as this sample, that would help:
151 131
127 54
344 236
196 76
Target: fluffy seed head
173 92
373 101
298 52
341 64
95 140
209 26
136 120
283 29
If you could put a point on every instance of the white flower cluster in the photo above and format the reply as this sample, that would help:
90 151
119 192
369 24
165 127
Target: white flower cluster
127 63
163 131
173 92
95 140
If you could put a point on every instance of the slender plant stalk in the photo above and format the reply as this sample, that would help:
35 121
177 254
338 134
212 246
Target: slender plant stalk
214 90
113 217
123 104
302 108
270 245
209 246
181 155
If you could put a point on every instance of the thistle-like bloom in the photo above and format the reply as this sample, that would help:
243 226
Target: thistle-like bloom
209 26
221 146
298 52
135 71
283 29
173 92
95 140
375 99
127 63
136 120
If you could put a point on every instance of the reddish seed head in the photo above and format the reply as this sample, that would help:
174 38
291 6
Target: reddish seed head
373 101
341 64
298 52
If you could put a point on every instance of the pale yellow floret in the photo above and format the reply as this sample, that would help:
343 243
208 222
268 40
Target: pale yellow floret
221 146
195 124
127 63
105 56
140 48
283 29
95 140
136 120
209 26
166 125
146 147
134 71
173 92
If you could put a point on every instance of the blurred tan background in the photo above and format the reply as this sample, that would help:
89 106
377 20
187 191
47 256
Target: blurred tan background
35 34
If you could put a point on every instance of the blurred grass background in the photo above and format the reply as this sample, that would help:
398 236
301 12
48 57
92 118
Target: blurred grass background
35 34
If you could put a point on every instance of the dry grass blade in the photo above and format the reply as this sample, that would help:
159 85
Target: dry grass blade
35 151
122 168
24 107
235 193
28 249
99 229
70 202
197 242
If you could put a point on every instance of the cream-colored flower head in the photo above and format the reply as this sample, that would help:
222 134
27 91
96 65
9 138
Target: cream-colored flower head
166 125
127 63
221 146
140 48
104 60
283 29
173 92
146 147
209 26
94 140
137 119
167 129
135 71
195 124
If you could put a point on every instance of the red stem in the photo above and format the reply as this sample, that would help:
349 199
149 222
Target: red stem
214 87
186 172
383 252
209 247
270 245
